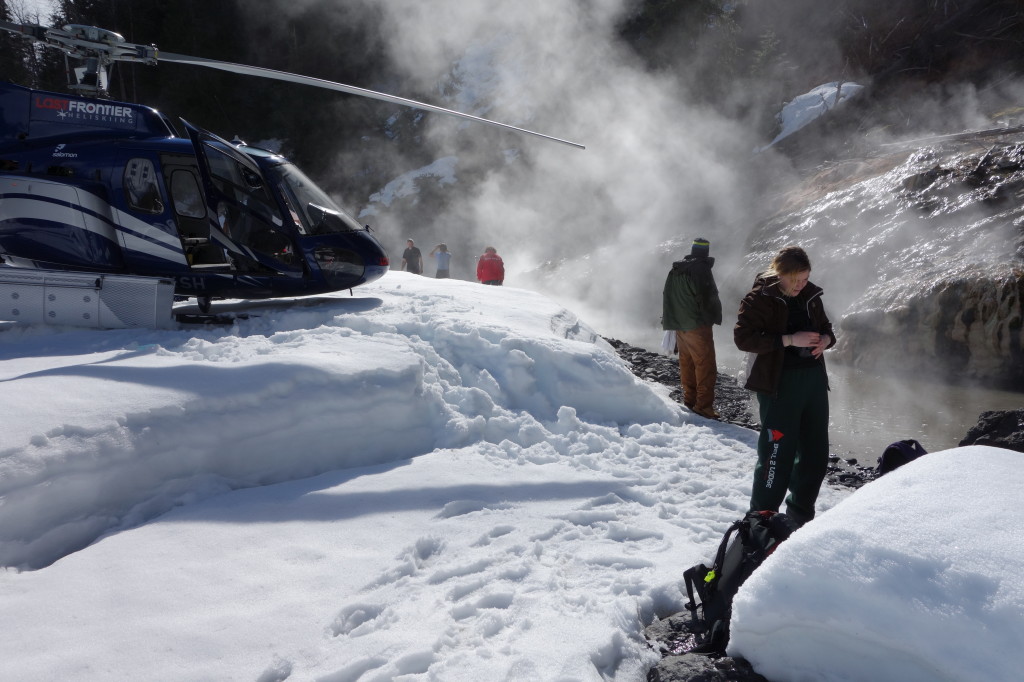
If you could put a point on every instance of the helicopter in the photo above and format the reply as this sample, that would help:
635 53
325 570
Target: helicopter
89 184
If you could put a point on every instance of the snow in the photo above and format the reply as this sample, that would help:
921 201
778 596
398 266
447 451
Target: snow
439 480
919 576
407 184
817 102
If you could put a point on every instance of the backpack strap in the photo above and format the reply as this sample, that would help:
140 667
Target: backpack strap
694 579
723 546
700 577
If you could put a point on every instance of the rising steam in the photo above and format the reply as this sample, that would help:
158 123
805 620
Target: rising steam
597 229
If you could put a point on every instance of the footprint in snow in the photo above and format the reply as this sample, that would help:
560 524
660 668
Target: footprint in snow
462 507
411 561
496 532
356 620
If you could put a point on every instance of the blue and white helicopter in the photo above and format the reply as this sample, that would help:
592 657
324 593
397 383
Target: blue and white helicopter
88 184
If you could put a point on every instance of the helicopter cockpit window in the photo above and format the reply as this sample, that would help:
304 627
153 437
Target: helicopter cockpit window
185 194
226 166
141 189
318 213
248 215
240 182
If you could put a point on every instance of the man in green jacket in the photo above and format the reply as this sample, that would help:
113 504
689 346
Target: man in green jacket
690 305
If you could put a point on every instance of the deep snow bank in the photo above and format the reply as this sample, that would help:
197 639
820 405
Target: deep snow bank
917 576
105 430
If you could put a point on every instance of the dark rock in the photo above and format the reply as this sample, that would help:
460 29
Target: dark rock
960 327
674 638
732 401
1001 429
697 668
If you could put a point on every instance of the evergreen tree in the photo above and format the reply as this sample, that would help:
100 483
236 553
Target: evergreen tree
15 52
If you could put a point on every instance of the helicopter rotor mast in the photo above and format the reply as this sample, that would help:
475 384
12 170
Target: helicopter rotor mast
97 47
100 48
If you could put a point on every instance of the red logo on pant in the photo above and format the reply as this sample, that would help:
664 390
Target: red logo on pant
774 436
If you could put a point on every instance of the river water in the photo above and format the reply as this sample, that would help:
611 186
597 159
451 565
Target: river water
868 411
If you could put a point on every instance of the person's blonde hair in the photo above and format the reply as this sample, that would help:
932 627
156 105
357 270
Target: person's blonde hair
789 261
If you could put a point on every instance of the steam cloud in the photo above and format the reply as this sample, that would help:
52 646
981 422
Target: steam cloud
597 229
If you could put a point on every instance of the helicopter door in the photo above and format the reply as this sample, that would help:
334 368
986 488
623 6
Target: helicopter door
245 219
181 176
146 232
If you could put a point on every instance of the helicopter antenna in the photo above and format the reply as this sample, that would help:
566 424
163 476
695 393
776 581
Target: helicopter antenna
100 48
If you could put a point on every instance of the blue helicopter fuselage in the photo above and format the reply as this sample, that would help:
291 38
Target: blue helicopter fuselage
103 186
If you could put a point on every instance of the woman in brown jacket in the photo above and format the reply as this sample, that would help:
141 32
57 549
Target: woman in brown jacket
783 322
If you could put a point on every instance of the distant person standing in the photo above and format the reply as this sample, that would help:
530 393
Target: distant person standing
783 322
443 258
412 259
490 269
690 306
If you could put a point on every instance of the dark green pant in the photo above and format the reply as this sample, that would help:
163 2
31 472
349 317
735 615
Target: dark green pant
792 451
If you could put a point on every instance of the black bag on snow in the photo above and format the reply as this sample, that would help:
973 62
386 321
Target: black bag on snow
746 544
898 454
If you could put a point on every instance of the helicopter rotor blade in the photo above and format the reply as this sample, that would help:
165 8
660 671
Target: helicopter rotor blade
340 87
32 31
107 47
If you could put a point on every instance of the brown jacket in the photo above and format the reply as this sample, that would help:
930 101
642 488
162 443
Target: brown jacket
761 324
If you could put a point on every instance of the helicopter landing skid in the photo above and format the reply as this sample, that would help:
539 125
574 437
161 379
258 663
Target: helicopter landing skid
210 319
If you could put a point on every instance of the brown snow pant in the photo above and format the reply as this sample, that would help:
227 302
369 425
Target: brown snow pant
698 369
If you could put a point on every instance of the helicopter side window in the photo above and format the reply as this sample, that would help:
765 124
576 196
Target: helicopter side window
141 189
185 194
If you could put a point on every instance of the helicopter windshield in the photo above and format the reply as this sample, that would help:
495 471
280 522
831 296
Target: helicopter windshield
316 211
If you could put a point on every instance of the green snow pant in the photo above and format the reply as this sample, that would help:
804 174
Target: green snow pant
792 450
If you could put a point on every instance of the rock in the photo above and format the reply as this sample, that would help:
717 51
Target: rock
1001 429
732 401
673 638
965 323
697 668
922 261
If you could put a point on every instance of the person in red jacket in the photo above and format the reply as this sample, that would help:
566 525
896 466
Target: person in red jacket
490 269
